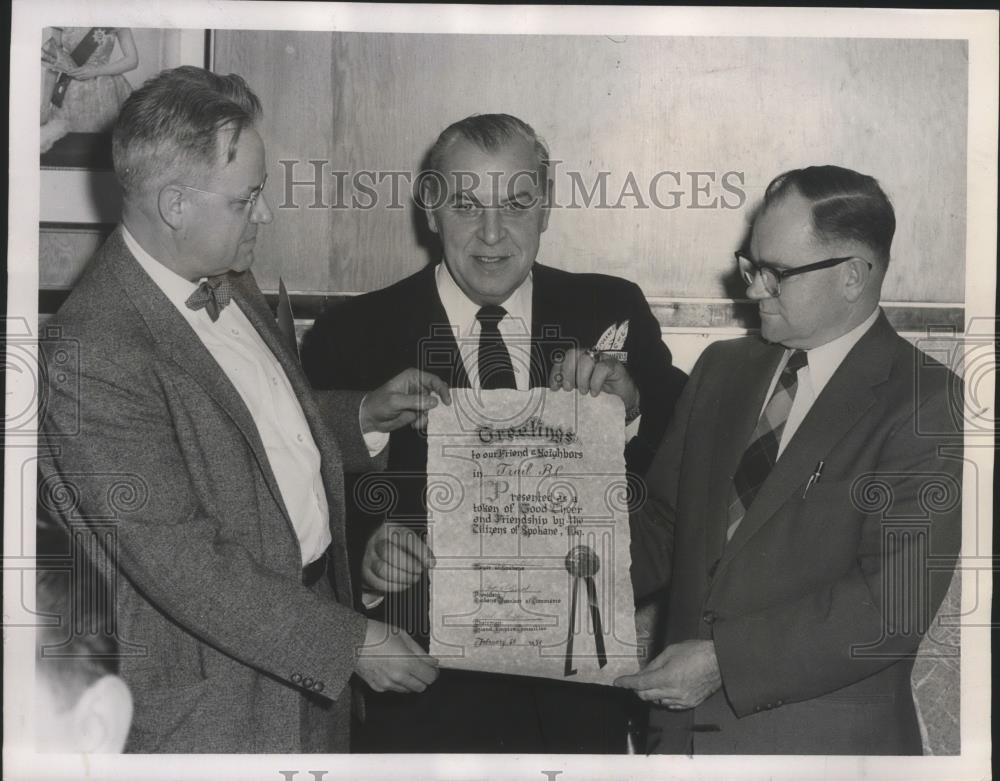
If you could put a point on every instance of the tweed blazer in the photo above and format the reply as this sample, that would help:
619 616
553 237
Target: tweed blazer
150 445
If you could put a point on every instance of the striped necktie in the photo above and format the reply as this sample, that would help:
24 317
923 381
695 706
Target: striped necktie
759 457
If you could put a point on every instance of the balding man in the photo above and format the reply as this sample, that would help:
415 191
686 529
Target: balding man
804 505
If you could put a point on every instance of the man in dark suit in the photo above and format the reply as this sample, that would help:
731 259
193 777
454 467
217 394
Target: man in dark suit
186 434
488 317
806 501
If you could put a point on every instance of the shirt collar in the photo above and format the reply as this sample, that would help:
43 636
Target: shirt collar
826 359
462 310
175 287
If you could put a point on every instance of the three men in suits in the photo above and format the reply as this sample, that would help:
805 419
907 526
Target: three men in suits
488 316
805 504
185 432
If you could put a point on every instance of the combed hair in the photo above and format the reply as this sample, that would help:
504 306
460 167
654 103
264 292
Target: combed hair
73 601
845 205
170 126
489 132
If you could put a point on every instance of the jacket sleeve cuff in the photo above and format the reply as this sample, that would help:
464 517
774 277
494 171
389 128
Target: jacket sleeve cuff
736 667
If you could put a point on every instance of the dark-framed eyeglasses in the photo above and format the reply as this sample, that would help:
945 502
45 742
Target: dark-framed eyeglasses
249 202
772 277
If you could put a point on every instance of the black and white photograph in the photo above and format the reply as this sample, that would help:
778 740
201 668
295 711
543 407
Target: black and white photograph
543 392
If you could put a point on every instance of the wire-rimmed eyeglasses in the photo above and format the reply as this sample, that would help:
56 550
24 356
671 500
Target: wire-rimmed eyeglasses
250 202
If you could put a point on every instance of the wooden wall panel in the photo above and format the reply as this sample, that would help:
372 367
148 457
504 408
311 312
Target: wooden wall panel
63 253
291 74
893 108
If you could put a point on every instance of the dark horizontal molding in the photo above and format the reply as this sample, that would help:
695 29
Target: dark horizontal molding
100 228
677 313
89 151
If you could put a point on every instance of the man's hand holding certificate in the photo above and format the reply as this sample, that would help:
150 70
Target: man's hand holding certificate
528 521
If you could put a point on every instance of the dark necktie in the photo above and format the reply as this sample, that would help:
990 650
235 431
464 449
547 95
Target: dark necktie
495 368
760 455
212 295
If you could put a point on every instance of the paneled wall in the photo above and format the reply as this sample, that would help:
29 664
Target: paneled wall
683 134
700 108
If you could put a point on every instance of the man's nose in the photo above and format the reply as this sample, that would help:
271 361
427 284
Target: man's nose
491 228
261 211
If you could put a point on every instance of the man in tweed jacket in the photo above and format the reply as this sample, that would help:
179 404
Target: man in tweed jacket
183 430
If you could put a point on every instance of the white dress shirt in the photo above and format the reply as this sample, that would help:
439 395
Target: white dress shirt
262 384
515 330
812 378
515 327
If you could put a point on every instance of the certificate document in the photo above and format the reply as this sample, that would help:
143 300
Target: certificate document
528 520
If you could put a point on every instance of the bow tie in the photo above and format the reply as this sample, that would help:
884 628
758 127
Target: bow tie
212 295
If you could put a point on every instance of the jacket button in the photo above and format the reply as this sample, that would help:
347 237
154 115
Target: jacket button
318 686
709 616
307 682
296 678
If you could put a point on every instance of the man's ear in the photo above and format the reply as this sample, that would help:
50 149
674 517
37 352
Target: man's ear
171 204
857 273
102 716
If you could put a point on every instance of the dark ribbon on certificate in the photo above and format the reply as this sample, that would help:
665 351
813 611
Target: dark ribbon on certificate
79 55
582 563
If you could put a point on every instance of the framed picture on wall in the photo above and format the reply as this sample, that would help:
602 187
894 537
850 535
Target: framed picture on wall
86 75
88 72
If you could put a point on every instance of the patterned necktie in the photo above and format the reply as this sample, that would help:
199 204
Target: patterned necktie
495 367
762 452
212 295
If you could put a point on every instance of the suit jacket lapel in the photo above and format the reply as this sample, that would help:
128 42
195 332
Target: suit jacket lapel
172 332
844 400
547 318
439 351
253 304
739 407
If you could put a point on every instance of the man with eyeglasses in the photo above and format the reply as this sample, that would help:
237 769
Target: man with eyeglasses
180 416
805 505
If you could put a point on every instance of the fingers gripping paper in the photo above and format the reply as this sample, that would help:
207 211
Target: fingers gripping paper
528 520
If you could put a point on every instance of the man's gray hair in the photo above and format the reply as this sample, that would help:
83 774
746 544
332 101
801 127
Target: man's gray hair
489 132
169 128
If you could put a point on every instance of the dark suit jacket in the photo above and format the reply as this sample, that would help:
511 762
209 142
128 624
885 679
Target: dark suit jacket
817 604
225 649
362 343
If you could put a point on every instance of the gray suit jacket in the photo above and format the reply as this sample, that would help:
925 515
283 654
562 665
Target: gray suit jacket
151 445
818 603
